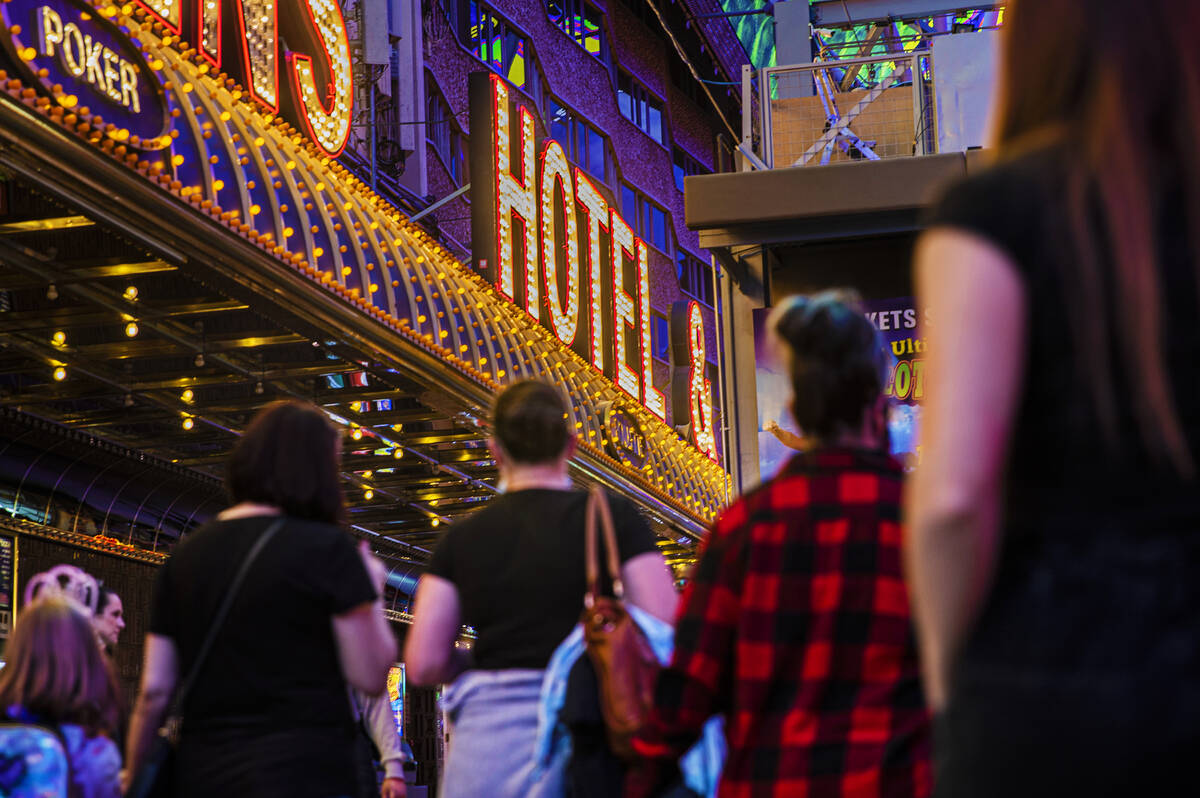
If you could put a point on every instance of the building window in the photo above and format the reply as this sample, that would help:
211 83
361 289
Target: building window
582 21
648 220
442 132
494 41
641 9
686 165
660 337
641 107
695 277
582 143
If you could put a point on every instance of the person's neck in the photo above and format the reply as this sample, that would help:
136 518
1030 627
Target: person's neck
550 476
248 510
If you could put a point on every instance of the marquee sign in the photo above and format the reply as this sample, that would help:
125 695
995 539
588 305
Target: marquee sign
548 239
243 132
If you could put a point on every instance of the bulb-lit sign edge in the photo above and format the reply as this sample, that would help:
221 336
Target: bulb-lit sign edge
499 196
689 483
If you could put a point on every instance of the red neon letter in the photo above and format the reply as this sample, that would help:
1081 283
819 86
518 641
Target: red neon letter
624 311
167 11
326 110
597 212
515 196
700 388
652 398
556 171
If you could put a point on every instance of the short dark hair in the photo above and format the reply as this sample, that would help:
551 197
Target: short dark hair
290 457
102 598
530 421
836 360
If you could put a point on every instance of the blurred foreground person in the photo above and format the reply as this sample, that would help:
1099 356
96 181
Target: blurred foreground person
109 619
515 572
795 623
56 677
1055 548
268 713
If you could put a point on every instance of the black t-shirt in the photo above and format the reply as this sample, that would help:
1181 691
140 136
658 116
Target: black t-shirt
518 565
1064 477
274 666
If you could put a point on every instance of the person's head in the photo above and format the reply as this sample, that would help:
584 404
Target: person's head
56 671
1118 87
836 363
529 423
109 619
289 457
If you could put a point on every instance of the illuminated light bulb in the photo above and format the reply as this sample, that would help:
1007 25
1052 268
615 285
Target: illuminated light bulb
188 422
60 338
368 474
131 330
398 453
187 396
368 494
60 374
131 294
437 522
357 434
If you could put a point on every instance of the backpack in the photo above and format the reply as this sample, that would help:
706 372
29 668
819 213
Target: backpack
33 762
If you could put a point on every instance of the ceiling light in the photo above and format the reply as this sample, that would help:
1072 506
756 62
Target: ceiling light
52 292
368 494
60 338
131 330
131 294
398 453
188 422
199 360
437 522
188 395
357 434
60 374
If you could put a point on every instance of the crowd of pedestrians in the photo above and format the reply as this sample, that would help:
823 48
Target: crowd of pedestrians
1047 540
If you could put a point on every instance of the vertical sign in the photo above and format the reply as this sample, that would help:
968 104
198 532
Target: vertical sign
8 561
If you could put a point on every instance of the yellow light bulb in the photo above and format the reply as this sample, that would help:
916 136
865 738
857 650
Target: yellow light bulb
188 422
60 338
131 329
368 494
187 396
60 374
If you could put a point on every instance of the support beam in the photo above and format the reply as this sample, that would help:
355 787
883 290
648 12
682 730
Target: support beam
843 13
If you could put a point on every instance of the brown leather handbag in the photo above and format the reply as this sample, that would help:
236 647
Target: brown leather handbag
625 665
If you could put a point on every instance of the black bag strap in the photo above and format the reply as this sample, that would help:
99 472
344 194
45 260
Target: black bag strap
219 619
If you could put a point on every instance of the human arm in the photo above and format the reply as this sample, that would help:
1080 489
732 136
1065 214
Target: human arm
430 654
365 643
649 586
786 437
160 674
380 723
976 357
697 683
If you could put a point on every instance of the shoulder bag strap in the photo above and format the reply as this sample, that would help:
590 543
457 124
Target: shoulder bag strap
219 619
598 508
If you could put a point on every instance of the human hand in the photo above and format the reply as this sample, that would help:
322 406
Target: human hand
376 570
393 788
772 426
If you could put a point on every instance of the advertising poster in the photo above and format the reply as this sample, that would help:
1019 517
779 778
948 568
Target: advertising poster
8 561
899 324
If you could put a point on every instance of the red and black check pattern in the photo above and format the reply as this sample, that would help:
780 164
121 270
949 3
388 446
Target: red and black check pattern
796 626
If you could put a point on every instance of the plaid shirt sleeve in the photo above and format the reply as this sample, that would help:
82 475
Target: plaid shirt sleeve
698 682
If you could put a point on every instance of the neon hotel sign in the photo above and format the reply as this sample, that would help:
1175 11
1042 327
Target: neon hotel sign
546 236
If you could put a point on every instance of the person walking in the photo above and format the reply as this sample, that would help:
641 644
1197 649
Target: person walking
514 571
55 676
795 623
268 714
1054 557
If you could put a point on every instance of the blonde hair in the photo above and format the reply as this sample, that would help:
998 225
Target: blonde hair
56 671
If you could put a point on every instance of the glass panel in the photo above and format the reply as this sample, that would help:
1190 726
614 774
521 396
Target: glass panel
556 13
654 123
516 72
596 160
661 338
658 227
679 175
624 100
629 204
560 129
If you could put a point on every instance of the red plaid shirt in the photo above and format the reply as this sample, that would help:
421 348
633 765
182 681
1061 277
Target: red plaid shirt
796 626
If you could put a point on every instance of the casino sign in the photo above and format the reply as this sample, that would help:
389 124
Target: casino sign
202 99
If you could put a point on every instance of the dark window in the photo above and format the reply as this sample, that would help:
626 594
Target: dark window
582 21
442 131
641 9
582 143
640 107
686 165
649 221
695 277
683 79
660 337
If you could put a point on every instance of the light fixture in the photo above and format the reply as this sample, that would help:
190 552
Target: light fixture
188 395
258 387
128 402
437 522
52 292
368 474
398 453
368 494
199 360
131 330
59 339
131 294
357 434
188 422
60 374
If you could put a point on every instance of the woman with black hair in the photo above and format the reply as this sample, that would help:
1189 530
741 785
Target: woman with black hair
795 624
268 713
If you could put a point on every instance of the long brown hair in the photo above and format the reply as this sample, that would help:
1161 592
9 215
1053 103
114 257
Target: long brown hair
55 669
1119 86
